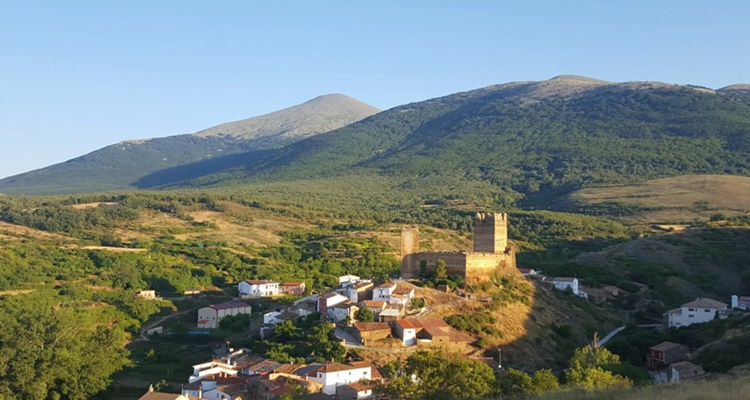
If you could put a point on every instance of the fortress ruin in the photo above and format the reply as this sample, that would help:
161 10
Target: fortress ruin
492 254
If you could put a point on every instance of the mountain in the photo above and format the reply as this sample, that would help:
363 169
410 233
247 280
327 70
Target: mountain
528 138
123 165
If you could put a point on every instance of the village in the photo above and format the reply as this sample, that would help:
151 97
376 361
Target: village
395 318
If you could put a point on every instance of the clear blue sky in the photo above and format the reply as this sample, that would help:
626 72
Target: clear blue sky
79 75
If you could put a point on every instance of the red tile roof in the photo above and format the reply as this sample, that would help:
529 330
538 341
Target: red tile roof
292 284
372 326
406 324
374 303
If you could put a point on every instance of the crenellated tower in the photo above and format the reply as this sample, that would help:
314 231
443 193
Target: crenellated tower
409 248
491 233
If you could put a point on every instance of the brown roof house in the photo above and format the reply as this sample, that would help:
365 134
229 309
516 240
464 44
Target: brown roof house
293 288
684 371
368 332
666 353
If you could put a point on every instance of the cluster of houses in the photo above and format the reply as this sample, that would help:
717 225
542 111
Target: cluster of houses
667 363
240 375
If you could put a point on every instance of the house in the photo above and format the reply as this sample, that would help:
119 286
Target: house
376 306
218 387
402 295
583 293
347 280
293 288
148 294
697 311
329 300
277 383
741 301
686 371
209 317
390 314
527 271
436 330
664 354
564 284
614 291
406 331
152 395
594 295
258 288
332 375
339 312
368 332
309 303
384 292
355 390
357 291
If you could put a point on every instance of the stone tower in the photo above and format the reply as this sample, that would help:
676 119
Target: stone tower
491 233
409 247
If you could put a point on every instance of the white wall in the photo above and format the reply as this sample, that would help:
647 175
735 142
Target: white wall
332 380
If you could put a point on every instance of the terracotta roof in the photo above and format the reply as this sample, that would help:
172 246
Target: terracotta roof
374 303
429 323
386 285
525 270
287 368
362 285
406 324
361 386
292 284
259 282
372 326
705 303
403 291
230 305
665 346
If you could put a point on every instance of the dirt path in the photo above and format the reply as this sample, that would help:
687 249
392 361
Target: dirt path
143 335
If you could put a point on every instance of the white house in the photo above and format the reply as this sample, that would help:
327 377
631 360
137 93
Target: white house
341 311
583 293
528 271
384 292
332 375
564 284
348 280
258 288
217 388
209 317
402 295
697 311
406 331
329 300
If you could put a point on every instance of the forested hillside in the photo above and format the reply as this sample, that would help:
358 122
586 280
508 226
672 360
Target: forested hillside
152 162
531 138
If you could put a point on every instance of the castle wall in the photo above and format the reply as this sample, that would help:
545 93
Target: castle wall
455 262
480 266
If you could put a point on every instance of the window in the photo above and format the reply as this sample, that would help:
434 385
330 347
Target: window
691 309
691 316
707 310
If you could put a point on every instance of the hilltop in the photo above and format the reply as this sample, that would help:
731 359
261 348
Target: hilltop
532 140
124 165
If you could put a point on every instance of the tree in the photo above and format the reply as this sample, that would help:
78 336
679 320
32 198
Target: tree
441 272
63 352
286 330
544 381
515 382
589 369
438 376
364 315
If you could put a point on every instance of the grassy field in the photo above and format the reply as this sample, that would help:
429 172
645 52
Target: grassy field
681 198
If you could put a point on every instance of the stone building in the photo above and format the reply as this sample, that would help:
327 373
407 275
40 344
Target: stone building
492 254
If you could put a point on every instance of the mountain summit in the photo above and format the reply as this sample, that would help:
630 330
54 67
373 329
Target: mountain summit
127 164
321 114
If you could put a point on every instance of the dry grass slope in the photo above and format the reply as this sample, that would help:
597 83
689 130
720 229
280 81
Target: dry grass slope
679 198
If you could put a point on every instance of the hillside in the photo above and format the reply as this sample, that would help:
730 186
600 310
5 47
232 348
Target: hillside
535 138
127 164
677 199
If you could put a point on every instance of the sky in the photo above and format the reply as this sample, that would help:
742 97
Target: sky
79 75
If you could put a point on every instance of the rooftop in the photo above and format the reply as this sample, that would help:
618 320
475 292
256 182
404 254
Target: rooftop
685 367
406 324
666 346
374 303
562 279
392 312
329 295
259 282
705 303
372 326
230 305
360 386
292 284
335 367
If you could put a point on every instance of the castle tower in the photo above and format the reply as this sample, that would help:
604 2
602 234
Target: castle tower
409 247
490 233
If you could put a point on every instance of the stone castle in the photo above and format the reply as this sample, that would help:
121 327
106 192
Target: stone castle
492 254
